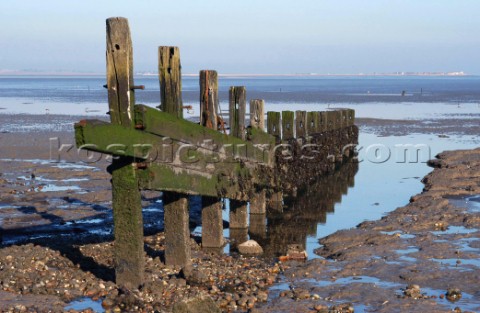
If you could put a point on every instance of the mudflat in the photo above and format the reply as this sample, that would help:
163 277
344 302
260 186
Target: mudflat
58 246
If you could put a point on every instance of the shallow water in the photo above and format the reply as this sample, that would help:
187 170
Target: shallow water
85 303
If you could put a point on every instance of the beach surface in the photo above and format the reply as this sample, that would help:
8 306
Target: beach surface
55 213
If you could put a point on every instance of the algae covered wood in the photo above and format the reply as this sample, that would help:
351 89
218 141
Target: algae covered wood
126 199
287 125
237 110
170 77
274 124
301 124
209 103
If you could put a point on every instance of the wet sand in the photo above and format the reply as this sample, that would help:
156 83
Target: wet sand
432 242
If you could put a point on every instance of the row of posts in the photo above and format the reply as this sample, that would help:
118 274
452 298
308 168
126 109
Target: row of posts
177 232
284 125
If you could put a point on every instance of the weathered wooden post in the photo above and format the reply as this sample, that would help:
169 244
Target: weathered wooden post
170 76
301 124
237 110
257 121
257 114
312 123
212 223
208 99
287 125
126 198
177 231
274 124
238 209
323 121
175 205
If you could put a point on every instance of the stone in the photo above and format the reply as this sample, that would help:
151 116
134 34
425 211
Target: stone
250 247
200 304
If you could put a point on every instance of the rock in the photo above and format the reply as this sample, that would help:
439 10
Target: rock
453 294
200 304
250 247
192 275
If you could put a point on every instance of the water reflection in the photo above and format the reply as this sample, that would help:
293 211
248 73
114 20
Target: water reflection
301 215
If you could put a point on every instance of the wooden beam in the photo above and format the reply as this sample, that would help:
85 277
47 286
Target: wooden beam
165 125
170 77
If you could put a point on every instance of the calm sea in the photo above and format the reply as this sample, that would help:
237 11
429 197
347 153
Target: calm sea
78 95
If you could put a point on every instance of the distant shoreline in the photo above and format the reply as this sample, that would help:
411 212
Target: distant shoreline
7 73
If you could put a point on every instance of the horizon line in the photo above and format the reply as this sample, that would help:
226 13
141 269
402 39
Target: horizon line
240 75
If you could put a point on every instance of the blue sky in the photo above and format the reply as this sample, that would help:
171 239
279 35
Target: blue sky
262 36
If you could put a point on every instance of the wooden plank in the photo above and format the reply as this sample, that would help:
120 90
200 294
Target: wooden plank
237 183
163 124
126 198
301 124
288 125
209 103
237 109
274 124
117 140
170 77
257 114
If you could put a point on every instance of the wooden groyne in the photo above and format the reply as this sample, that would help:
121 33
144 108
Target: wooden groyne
159 150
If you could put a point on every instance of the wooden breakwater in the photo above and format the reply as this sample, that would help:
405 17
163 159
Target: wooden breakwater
159 150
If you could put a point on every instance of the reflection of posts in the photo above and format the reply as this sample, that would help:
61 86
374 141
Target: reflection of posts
212 223
238 223
258 219
258 227
275 203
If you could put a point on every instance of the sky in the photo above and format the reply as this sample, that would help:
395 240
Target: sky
248 36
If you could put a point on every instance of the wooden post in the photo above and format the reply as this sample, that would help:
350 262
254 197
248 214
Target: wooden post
177 231
323 123
275 203
273 124
301 124
287 125
330 120
238 214
126 199
212 223
209 99
257 114
170 76
258 203
237 109
312 123
258 227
